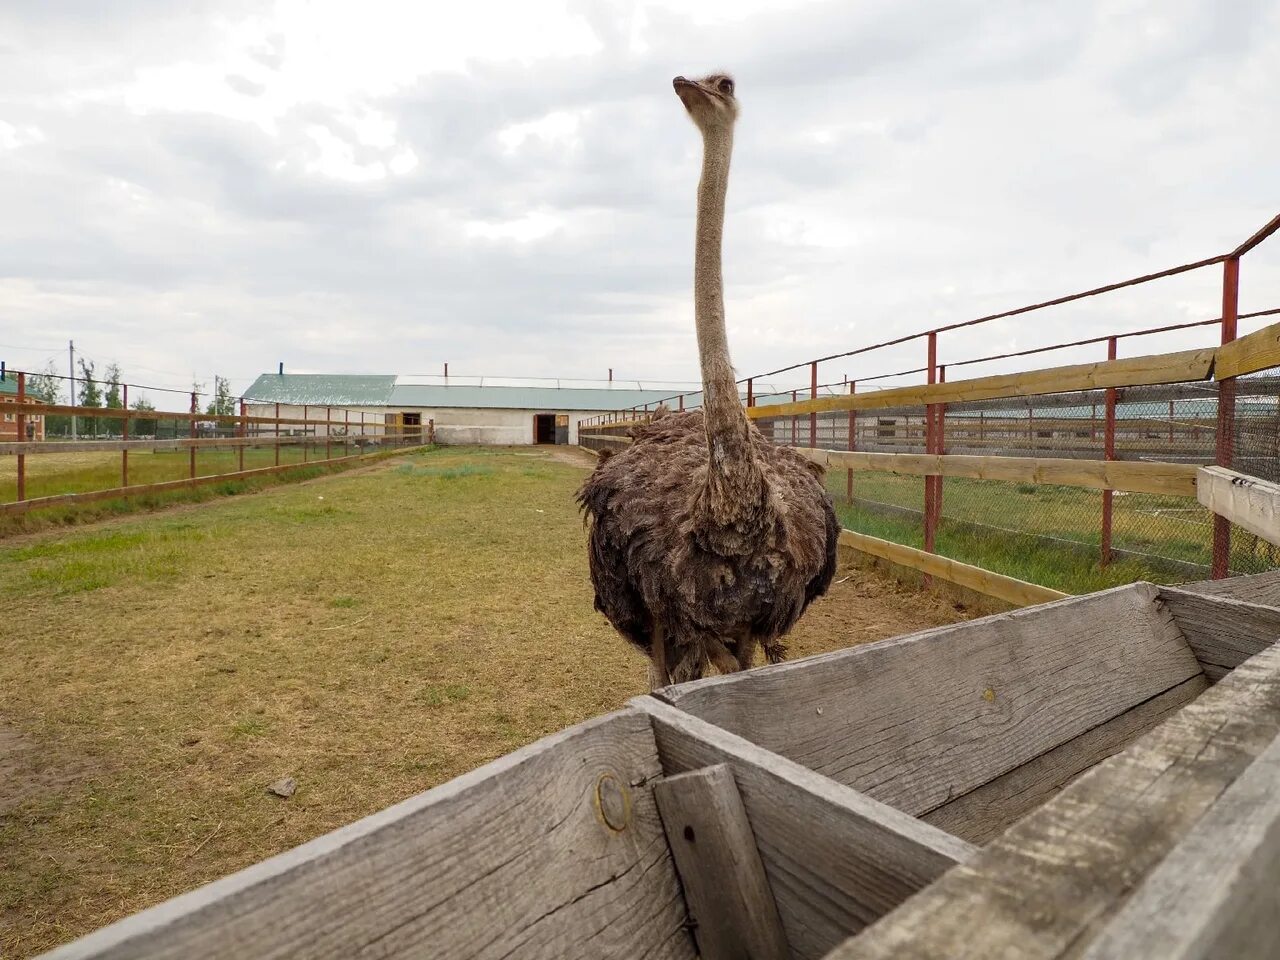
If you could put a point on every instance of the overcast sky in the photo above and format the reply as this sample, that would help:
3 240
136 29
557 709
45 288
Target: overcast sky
381 187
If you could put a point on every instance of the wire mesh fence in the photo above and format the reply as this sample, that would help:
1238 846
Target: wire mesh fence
1070 537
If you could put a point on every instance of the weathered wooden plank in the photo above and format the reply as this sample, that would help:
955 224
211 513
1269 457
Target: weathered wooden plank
986 582
1256 351
1247 501
731 907
1222 632
606 437
1133 371
835 859
1257 588
918 720
1047 886
989 810
1215 896
231 419
553 851
1170 479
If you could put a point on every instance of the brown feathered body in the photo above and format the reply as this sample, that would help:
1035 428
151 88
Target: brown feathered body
666 571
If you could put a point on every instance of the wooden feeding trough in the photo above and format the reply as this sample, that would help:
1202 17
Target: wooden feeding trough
1095 777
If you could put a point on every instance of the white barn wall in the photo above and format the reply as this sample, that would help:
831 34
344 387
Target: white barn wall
454 425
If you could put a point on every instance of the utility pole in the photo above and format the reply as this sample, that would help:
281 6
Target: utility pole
71 351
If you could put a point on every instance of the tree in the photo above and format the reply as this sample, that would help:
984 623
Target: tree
222 404
90 396
142 426
46 387
113 396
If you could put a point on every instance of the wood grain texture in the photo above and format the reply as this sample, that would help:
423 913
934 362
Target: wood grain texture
1222 632
730 905
916 721
1258 588
1170 479
1256 351
515 859
991 584
1246 501
1047 886
1133 371
989 810
1215 896
835 859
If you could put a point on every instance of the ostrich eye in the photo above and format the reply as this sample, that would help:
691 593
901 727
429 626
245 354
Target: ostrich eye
726 86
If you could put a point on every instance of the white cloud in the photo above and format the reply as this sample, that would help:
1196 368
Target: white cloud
510 186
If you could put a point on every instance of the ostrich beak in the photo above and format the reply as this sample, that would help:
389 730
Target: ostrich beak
686 89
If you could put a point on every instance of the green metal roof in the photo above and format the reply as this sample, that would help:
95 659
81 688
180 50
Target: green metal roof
9 384
321 389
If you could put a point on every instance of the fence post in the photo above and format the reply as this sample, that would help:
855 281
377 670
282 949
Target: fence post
940 447
277 435
930 442
680 401
813 395
195 406
1226 413
794 418
244 430
124 435
346 433
22 436
853 443
328 433
1108 453
306 437
751 400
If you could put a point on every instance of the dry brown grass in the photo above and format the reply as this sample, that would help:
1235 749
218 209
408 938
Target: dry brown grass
371 634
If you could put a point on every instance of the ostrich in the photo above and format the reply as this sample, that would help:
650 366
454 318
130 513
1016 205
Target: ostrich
705 539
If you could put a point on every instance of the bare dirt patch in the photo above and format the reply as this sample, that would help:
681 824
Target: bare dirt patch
28 771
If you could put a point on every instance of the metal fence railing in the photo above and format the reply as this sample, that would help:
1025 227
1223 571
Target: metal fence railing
1110 411
57 454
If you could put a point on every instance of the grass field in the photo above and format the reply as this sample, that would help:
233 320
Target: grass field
1023 521
371 634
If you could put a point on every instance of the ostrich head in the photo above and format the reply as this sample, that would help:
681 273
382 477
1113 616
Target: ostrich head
710 101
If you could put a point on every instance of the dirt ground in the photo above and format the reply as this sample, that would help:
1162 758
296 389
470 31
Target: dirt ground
371 634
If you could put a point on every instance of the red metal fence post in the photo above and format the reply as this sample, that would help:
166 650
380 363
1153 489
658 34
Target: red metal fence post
124 435
1226 413
1108 453
939 447
750 392
195 406
813 395
853 443
22 436
930 440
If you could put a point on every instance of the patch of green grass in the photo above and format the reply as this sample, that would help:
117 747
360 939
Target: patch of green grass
1023 549
442 695
343 603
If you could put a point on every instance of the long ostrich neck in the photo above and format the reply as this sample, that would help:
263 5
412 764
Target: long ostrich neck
734 478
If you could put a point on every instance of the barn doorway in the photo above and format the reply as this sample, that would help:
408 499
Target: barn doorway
413 427
544 428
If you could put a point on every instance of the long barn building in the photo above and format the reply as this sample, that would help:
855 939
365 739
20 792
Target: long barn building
461 412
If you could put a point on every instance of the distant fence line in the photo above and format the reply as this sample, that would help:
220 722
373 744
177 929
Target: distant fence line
234 446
